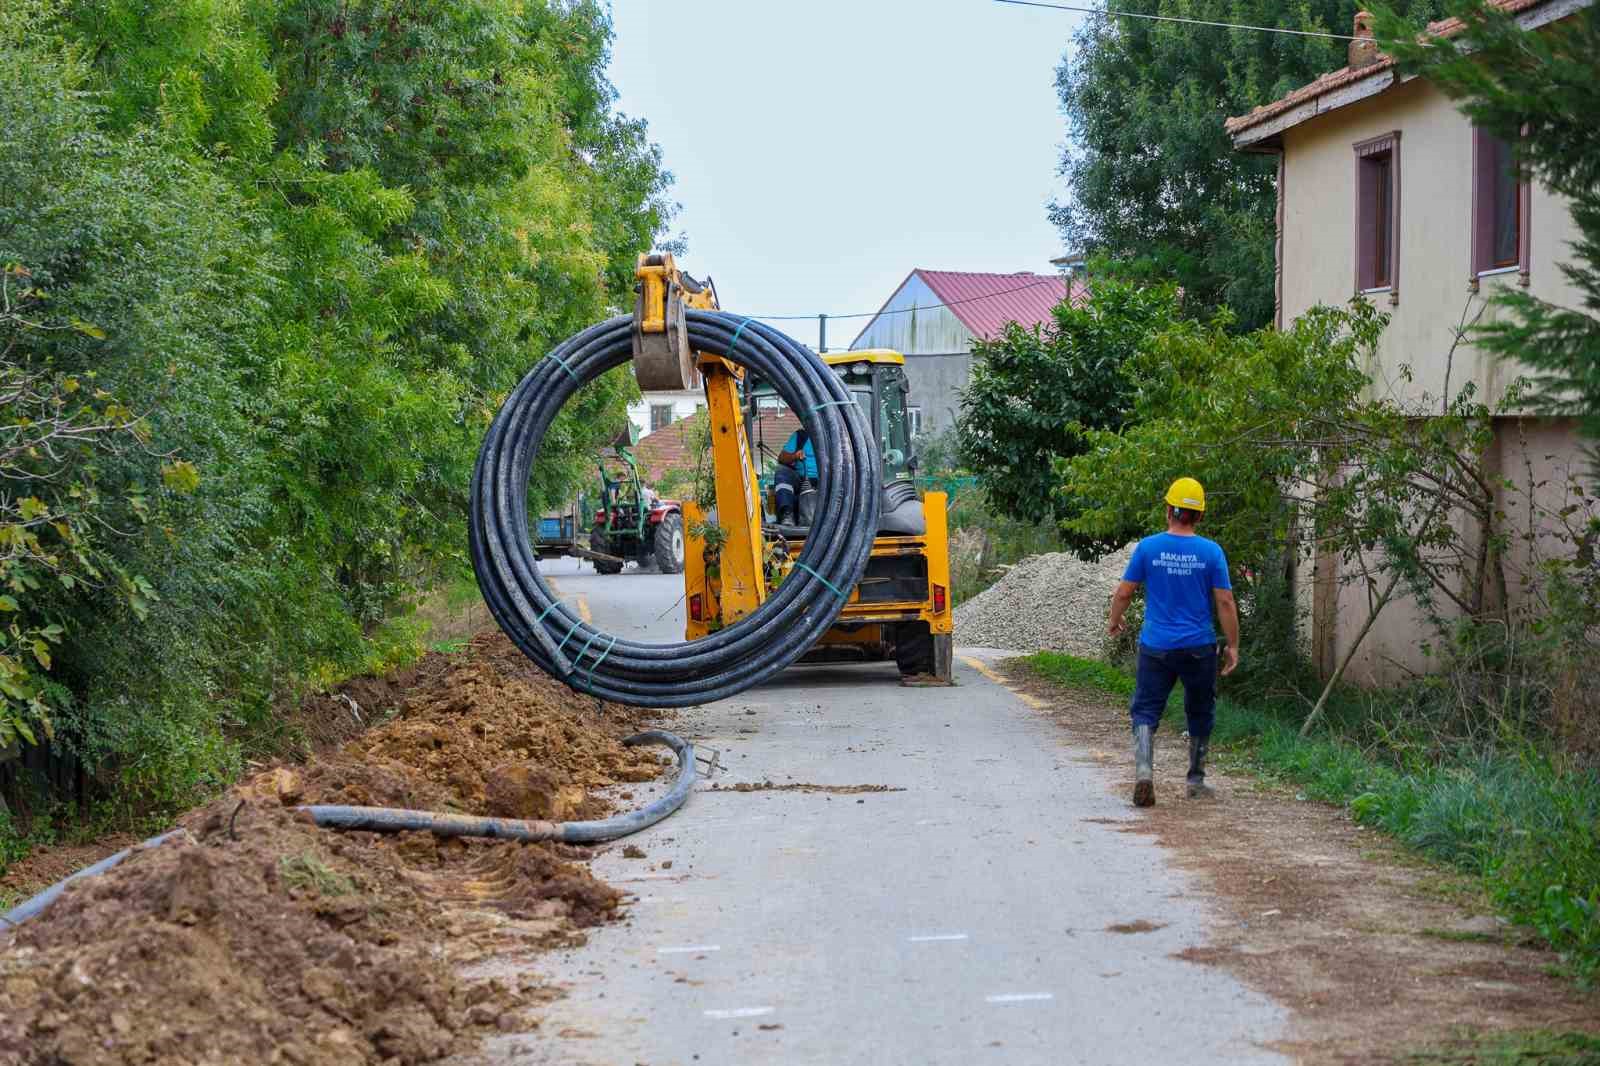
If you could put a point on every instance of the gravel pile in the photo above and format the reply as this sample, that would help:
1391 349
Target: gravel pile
1055 602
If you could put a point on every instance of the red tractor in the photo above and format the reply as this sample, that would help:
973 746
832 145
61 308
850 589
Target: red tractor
632 522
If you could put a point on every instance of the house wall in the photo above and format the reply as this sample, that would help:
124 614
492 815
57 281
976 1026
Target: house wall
1414 357
1435 235
684 404
936 344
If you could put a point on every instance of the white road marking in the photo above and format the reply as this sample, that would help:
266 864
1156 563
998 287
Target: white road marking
930 938
690 949
739 1012
1019 997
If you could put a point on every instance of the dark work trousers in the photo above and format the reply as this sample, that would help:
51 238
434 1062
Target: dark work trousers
787 482
1159 670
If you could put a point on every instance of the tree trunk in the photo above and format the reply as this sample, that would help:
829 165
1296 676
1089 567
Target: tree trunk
1327 689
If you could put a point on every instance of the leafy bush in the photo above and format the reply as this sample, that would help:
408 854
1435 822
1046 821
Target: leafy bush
1035 394
278 263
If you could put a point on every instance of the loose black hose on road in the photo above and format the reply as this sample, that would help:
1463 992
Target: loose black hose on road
750 650
397 820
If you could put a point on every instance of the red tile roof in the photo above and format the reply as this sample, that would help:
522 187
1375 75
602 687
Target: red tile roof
1335 79
986 302
668 448
671 447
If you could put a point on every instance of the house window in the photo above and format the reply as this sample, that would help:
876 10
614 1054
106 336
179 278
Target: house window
660 416
1499 207
1378 214
914 420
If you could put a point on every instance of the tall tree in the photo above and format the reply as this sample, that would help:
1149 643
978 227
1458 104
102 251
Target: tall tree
1153 181
1035 394
268 267
1540 91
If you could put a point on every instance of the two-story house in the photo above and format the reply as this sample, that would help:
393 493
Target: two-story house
1386 189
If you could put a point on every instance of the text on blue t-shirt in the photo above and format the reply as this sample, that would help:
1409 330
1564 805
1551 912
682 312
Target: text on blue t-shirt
1178 574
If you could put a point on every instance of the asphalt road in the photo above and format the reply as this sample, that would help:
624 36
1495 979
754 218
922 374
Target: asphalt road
961 918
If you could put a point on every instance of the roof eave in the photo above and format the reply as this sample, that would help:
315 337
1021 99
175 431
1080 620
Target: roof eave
1266 135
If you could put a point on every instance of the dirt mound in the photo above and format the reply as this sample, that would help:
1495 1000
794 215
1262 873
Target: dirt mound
328 719
260 938
1051 602
482 717
273 941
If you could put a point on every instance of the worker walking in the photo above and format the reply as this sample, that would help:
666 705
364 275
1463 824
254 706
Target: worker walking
796 463
1184 574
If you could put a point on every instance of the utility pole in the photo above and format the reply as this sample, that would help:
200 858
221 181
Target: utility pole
822 334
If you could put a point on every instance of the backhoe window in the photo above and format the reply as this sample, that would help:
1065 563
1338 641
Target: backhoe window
894 430
879 393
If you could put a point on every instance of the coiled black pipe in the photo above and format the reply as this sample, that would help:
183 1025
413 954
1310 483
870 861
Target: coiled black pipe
396 820
750 650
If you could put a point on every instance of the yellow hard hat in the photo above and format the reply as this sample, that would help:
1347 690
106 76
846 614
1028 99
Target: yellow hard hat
1187 493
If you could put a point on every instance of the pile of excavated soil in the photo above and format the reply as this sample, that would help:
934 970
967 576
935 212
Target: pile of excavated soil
257 937
1052 602
489 734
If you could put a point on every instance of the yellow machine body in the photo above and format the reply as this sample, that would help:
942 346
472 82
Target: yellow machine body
731 566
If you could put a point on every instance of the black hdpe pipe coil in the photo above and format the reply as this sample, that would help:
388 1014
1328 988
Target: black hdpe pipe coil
395 820
756 646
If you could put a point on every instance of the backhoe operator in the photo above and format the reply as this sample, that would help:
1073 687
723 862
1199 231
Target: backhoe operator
1183 574
797 462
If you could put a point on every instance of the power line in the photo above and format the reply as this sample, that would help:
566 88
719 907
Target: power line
919 307
1174 18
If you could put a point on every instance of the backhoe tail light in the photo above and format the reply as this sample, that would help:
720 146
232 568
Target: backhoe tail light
938 599
696 608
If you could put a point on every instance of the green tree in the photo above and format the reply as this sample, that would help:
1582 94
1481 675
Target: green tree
1540 91
302 249
1301 459
1035 392
1154 181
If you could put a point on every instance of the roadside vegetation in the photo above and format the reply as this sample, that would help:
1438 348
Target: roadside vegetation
266 271
1510 813
1489 760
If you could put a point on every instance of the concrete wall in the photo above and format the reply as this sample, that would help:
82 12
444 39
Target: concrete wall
1434 292
936 345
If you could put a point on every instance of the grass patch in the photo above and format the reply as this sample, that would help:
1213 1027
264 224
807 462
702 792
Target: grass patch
305 873
1077 672
1524 826
1460 936
1511 1049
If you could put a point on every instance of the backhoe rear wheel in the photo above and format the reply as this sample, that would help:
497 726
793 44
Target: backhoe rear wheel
923 656
668 546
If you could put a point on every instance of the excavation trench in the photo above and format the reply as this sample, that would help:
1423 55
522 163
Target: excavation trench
326 947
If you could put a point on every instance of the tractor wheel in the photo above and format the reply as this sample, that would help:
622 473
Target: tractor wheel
923 657
597 542
668 547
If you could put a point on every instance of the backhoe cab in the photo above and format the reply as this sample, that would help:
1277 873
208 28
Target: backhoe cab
901 607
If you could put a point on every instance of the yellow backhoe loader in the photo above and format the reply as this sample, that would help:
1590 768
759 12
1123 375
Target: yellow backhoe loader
735 555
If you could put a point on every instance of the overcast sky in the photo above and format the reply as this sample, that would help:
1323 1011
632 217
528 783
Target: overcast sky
823 149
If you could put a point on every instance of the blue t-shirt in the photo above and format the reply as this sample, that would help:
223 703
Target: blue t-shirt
793 445
1178 574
